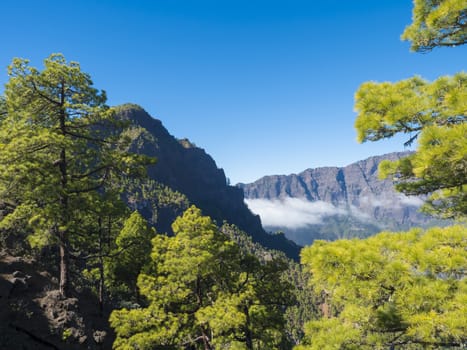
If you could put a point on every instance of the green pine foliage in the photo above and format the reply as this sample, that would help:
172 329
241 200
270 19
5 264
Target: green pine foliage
202 293
52 154
437 23
160 204
60 152
248 247
65 168
303 302
125 262
306 303
405 290
433 113
67 176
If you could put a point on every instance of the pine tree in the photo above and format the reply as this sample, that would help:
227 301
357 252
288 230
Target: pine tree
57 149
203 293
403 290
132 253
433 113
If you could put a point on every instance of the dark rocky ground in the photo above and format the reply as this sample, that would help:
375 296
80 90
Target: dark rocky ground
34 316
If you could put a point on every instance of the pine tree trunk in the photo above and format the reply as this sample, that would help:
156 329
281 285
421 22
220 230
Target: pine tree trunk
248 333
64 280
63 233
101 268
206 343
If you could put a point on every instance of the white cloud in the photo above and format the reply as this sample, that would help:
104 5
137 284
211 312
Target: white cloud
295 213
359 214
412 201
292 213
379 201
392 200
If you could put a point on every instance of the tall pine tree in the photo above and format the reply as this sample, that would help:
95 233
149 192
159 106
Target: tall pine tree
56 151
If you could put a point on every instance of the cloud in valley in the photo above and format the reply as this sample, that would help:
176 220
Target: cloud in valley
391 200
292 213
296 213
412 201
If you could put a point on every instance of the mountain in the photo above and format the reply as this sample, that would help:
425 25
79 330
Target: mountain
331 202
188 169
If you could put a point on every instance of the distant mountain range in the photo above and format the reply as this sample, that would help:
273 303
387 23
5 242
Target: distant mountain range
185 168
331 202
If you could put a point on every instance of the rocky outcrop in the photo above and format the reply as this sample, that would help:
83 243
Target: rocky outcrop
33 315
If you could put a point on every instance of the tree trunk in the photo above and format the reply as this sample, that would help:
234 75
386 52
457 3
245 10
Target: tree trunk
64 263
101 268
248 333
63 233
206 343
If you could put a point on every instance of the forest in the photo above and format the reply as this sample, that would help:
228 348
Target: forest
72 188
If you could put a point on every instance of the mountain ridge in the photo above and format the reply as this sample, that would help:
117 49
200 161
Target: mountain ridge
354 192
190 170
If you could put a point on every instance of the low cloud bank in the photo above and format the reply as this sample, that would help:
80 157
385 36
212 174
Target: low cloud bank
412 201
396 200
296 213
292 213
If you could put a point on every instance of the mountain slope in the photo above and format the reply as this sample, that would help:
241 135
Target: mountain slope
332 202
190 170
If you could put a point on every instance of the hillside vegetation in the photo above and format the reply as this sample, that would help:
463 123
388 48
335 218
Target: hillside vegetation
112 235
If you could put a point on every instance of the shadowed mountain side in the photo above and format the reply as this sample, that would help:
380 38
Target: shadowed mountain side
190 170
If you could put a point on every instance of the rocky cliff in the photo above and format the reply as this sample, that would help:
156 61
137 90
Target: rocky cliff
190 170
333 202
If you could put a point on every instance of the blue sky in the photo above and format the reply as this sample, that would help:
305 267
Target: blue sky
265 87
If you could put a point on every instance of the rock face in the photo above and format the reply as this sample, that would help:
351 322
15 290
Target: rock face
190 170
363 204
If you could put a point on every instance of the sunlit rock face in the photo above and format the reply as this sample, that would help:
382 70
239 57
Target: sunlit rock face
331 202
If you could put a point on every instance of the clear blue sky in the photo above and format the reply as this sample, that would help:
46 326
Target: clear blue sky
265 87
